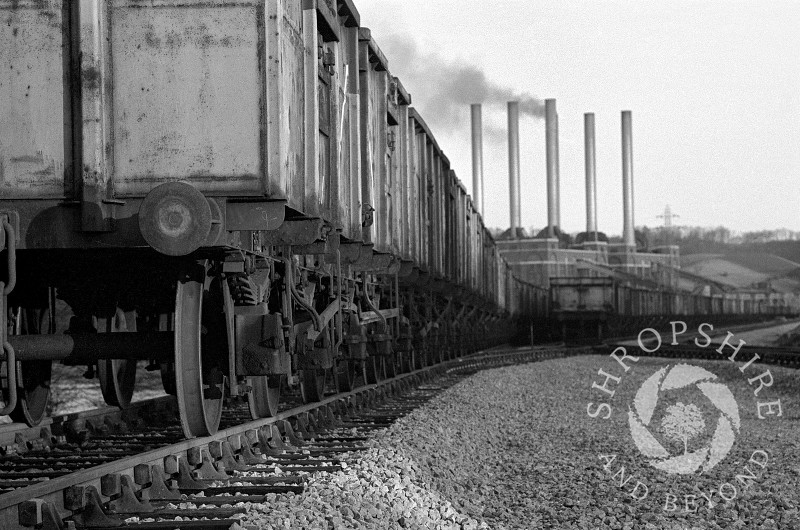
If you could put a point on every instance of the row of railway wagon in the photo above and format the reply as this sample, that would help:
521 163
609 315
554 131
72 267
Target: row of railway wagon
613 303
239 193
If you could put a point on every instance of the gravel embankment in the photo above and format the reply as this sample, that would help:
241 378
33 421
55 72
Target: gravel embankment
515 448
379 489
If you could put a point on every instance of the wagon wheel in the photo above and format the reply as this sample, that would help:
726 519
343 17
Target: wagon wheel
420 349
117 376
346 372
420 358
312 380
168 378
409 361
436 353
264 395
312 384
401 363
391 362
447 347
200 344
33 388
375 369
165 323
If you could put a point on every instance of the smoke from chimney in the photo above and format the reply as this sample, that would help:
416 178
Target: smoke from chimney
443 89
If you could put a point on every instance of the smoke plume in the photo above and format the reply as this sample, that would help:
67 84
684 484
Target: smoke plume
443 90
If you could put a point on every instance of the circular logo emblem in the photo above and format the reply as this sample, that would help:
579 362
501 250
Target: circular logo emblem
683 423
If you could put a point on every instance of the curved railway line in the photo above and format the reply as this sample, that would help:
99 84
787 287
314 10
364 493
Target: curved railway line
789 357
108 467
708 345
100 468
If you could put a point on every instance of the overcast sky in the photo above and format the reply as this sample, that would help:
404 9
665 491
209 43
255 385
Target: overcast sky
714 87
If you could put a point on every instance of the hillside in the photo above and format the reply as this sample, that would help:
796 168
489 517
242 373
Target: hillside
785 249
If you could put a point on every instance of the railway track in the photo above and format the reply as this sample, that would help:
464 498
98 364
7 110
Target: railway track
789 357
687 346
17 438
716 335
108 469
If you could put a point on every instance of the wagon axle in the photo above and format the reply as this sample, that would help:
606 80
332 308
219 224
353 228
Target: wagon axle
88 348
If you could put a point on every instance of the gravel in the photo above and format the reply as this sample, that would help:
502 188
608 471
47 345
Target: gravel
379 489
515 448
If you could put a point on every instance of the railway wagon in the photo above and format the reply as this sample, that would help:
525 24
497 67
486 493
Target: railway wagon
598 306
237 192
581 302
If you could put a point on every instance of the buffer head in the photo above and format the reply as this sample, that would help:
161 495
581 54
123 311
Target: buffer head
175 218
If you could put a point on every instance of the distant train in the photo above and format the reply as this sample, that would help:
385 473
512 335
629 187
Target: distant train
239 193
602 307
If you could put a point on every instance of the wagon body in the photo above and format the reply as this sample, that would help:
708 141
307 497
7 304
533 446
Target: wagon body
245 100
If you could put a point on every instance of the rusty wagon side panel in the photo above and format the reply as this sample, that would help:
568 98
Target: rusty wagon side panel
373 87
35 125
348 206
186 99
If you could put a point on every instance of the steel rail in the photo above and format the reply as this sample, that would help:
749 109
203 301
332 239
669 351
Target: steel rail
14 433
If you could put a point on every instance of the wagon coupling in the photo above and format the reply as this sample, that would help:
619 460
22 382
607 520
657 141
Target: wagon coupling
11 247
5 289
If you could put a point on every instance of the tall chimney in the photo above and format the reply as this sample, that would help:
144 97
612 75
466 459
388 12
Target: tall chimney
591 176
551 141
628 234
513 166
477 157
558 178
